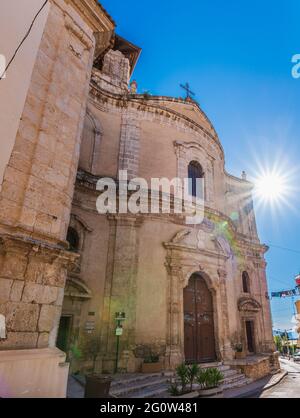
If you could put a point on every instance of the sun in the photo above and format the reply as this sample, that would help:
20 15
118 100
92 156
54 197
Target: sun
270 186
274 189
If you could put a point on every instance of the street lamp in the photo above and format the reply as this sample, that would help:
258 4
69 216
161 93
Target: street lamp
120 317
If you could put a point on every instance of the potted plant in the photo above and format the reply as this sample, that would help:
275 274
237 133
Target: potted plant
239 352
151 364
192 372
97 387
210 381
182 386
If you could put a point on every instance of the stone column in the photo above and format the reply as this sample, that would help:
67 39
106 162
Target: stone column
267 341
225 348
36 197
175 339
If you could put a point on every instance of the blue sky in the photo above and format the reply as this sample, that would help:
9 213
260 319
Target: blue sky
236 55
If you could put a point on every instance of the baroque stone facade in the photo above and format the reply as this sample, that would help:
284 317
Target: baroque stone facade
66 270
143 264
37 192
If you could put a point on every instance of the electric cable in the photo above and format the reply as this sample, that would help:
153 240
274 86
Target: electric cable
23 40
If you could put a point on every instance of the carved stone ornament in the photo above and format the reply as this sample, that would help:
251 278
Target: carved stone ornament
248 305
180 236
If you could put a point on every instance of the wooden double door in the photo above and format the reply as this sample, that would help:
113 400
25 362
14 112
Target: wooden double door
199 334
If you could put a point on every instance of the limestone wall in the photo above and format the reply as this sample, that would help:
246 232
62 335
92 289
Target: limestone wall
140 264
15 19
38 184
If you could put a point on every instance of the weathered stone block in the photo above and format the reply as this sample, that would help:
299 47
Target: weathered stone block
48 317
55 275
16 291
43 340
14 266
60 297
35 271
20 316
19 340
39 294
5 287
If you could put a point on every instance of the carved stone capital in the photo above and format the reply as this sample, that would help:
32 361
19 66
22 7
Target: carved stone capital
23 247
222 274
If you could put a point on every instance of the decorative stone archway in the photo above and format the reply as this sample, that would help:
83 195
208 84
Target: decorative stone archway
77 294
184 258
249 310
199 321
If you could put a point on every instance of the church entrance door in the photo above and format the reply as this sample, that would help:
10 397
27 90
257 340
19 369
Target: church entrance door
199 335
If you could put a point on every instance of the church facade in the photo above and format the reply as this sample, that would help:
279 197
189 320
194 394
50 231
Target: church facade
70 276
188 293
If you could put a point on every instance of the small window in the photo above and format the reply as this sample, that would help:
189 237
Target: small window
73 239
246 282
195 172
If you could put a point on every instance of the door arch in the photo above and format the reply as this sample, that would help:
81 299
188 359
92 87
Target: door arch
199 331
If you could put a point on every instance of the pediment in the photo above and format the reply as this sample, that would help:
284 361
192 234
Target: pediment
191 110
199 239
75 288
248 304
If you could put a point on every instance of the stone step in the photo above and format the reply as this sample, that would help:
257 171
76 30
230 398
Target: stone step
237 384
222 367
229 373
234 378
157 385
160 392
211 365
134 387
127 379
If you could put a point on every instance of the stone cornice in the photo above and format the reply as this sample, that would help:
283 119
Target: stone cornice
93 14
31 247
193 104
139 103
243 183
193 250
87 182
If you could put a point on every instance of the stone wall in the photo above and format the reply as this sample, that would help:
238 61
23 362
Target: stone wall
14 87
257 367
38 184
146 137
38 187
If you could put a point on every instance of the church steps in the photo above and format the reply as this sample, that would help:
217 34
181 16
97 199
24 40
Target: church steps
135 387
128 380
238 383
160 392
157 385
229 373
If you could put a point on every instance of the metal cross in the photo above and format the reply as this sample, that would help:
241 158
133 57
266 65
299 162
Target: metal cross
189 92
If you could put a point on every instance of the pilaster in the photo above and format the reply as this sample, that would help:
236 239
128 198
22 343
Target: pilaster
120 287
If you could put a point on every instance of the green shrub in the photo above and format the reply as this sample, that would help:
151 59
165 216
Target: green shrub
209 378
173 389
182 373
239 348
193 371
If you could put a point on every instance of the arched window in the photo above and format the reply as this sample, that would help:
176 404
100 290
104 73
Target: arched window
195 172
246 282
73 239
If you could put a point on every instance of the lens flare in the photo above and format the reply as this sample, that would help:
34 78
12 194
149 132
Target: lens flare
270 186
